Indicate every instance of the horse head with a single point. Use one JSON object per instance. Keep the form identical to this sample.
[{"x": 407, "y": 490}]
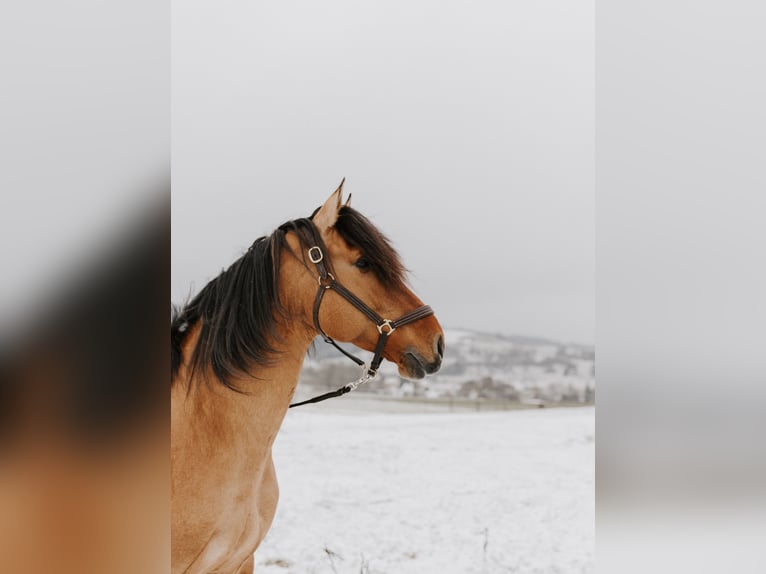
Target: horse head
[{"x": 358, "y": 291}]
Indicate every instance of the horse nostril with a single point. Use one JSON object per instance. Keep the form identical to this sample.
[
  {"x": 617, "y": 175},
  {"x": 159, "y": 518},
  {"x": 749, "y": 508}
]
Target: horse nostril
[{"x": 440, "y": 346}]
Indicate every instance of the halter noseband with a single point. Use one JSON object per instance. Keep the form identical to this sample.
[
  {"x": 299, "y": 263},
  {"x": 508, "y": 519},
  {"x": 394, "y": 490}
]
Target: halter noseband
[{"x": 385, "y": 327}]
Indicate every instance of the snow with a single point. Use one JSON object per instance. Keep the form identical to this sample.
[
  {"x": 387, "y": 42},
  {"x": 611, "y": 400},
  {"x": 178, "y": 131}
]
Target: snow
[{"x": 369, "y": 493}]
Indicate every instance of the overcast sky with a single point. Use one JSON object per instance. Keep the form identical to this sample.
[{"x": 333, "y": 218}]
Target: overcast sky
[{"x": 465, "y": 131}]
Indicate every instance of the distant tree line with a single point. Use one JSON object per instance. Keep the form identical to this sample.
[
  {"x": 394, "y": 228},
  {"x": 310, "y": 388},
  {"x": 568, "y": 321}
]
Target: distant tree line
[{"x": 331, "y": 375}]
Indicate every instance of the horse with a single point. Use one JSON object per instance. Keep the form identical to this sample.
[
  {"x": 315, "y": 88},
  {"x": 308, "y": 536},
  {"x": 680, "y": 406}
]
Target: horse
[{"x": 236, "y": 353}]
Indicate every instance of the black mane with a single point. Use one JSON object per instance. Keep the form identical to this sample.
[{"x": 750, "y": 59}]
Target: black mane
[{"x": 238, "y": 310}]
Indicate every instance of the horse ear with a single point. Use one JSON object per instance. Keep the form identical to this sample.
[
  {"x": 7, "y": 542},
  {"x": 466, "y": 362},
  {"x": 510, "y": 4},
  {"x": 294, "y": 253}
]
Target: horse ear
[
  {"x": 348, "y": 201},
  {"x": 327, "y": 215}
]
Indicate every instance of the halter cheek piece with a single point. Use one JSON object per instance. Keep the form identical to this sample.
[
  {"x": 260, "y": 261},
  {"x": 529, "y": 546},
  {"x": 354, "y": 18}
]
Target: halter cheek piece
[{"x": 385, "y": 327}]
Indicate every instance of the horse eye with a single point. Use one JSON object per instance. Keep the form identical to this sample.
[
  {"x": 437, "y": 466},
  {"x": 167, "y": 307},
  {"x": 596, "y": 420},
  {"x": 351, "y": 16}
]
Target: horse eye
[{"x": 362, "y": 263}]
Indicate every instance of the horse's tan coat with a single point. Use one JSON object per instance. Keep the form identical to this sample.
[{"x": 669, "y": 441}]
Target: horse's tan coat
[{"x": 224, "y": 487}]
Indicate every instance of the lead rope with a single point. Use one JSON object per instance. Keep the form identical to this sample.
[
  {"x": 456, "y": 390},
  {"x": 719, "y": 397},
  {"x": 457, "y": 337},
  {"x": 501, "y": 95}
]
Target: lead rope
[
  {"x": 347, "y": 388},
  {"x": 385, "y": 327}
]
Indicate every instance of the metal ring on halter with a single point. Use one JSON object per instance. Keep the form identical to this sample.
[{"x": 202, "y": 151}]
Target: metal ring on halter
[
  {"x": 330, "y": 277},
  {"x": 369, "y": 372},
  {"x": 317, "y": 258},
  {"x": 386, "y": 323}
]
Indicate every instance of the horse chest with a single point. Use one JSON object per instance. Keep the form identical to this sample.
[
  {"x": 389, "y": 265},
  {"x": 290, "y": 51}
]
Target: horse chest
[
  {"x": 236, "y": 536},
  {"x": 225, "y": 552},
  {"x": 239, "y": 507}
]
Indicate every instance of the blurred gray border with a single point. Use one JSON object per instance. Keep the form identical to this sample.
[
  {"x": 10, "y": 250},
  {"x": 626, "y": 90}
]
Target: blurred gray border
[{"x": 681, "y": 285}]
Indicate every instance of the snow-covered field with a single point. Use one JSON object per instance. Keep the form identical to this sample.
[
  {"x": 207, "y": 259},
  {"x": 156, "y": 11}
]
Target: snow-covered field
[{"x": 369, "y": 493}]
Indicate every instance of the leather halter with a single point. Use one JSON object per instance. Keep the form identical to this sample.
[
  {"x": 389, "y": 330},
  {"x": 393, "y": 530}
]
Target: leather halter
[{"x": 385, "y": 327}]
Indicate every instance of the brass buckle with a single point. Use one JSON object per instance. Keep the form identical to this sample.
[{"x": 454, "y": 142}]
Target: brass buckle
[
  {"x": 386, "y": 323},
  {"x": 318, "y": 258}
]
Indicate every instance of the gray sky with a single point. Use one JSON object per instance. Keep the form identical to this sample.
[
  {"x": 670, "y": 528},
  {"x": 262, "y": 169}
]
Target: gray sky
[{"x": 465, "y": 131}]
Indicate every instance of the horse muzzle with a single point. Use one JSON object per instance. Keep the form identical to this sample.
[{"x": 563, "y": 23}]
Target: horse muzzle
[{"x": 414, "y": 365}]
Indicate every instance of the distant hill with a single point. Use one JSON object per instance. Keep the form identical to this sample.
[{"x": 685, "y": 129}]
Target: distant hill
[{"x": 476, "y": 364}]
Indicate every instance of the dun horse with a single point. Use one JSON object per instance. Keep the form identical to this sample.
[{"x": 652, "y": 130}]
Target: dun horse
[{"x": 237, "y": 349}]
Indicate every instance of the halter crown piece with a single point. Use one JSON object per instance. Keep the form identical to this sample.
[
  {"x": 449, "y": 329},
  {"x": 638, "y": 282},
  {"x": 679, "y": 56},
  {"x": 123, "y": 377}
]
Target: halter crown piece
[{"x": 385, "y": 327}]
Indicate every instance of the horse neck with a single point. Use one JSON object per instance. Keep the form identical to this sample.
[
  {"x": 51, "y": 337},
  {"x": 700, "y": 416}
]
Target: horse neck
[{"x": 246, "y": 422}]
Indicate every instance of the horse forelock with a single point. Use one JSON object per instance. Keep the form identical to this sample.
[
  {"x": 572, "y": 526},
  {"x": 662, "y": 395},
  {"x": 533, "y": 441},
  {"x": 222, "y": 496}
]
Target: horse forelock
[{"x": 359, "y": 232}]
